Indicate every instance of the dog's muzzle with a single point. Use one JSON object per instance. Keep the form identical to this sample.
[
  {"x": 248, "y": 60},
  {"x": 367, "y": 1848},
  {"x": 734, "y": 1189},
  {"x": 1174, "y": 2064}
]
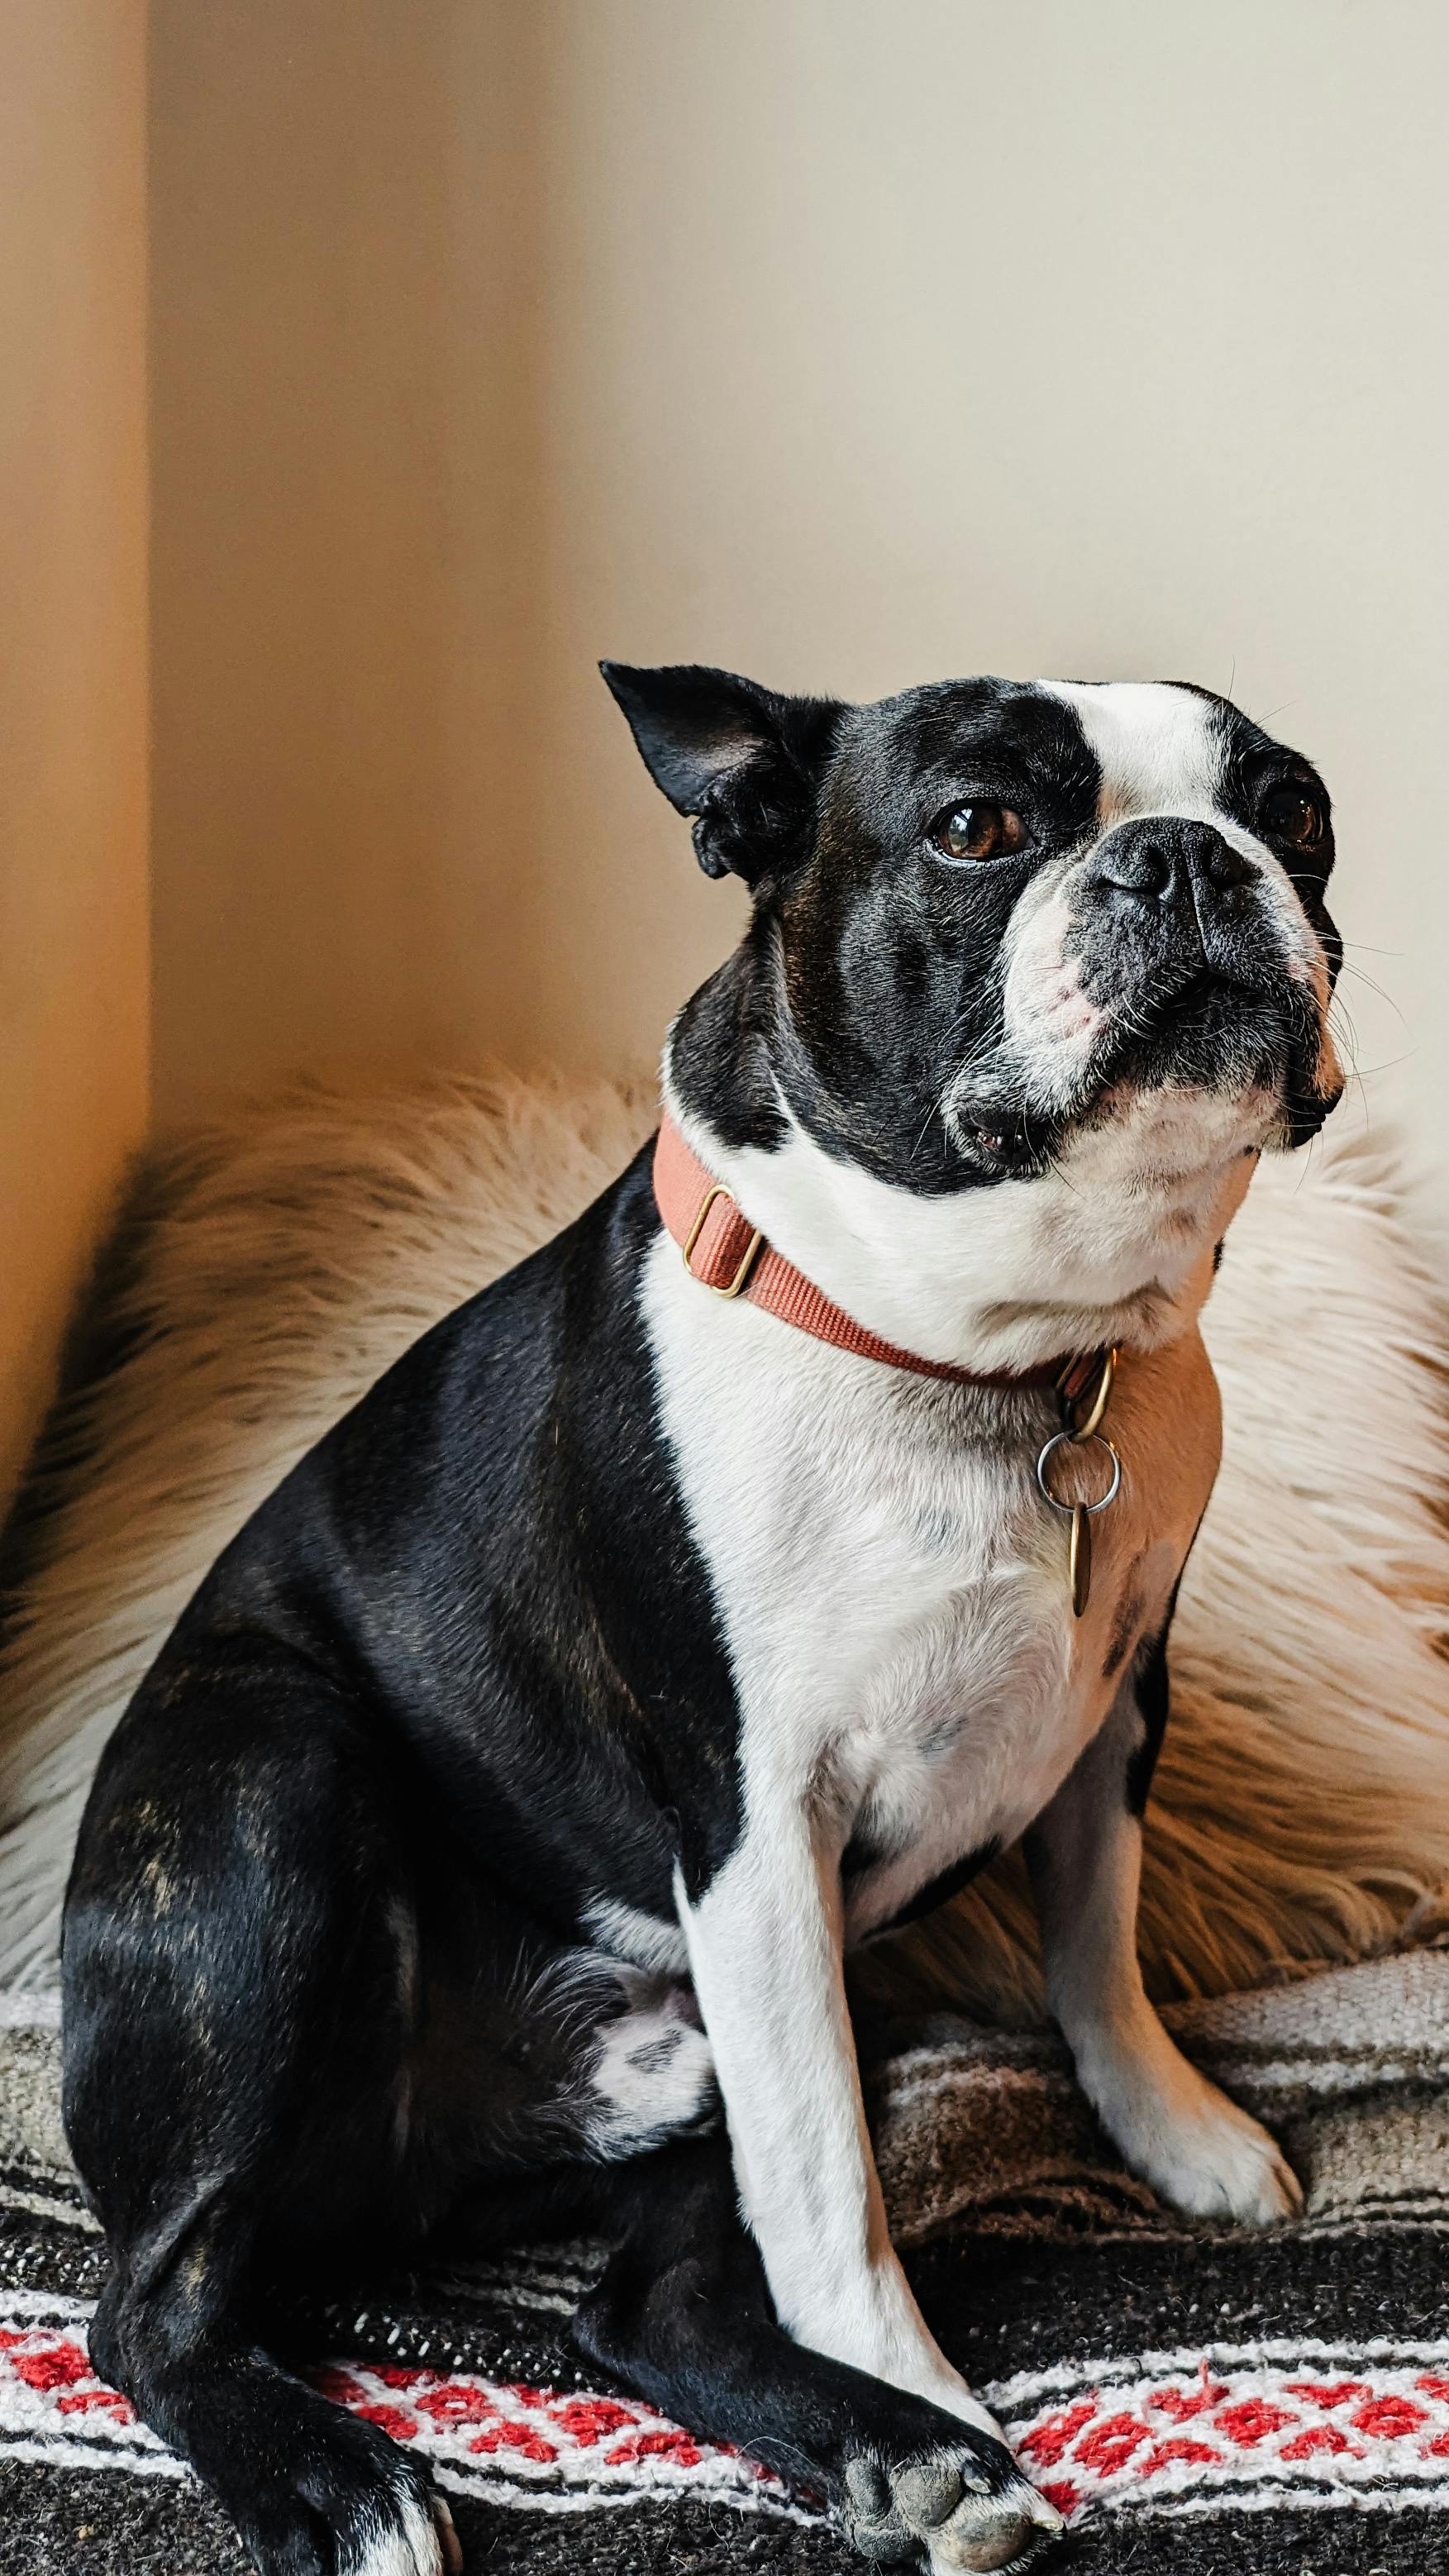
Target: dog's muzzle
[{"x": 1201, "y": 961}]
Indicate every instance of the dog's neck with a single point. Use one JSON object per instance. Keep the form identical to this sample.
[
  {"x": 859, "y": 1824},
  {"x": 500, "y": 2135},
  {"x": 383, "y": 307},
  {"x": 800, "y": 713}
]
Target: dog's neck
[{"x": 1115, "y": 1243}]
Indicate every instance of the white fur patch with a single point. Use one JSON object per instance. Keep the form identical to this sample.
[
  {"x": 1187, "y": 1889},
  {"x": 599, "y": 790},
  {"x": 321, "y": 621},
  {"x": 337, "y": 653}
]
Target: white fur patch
[
  {"x": 645, "y": 1940},
  {"x": 407, "y": 2544},
  {"x": 1105, "y": 1247},
  {"x": 1159, "y": 749},
  {"x": 652, "y": 2074},
  {"x": 1048, "y": 1020}
]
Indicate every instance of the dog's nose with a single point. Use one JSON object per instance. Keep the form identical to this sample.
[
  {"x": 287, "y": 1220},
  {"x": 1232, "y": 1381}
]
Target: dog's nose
[{"x": 1159, "y": 861}]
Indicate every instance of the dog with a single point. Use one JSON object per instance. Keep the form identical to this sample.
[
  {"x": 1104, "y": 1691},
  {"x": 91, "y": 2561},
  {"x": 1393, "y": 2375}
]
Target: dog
[{"x": 722, "y": 1587}]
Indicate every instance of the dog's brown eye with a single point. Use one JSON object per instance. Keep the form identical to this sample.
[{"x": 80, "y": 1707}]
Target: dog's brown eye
[
  {"x": 1291, "y": 815},
  {"x": 969, "y": 832}
]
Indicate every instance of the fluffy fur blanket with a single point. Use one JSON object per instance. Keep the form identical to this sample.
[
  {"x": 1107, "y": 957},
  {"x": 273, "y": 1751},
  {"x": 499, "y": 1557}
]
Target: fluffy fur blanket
[{"x": 273, "y": 1265}]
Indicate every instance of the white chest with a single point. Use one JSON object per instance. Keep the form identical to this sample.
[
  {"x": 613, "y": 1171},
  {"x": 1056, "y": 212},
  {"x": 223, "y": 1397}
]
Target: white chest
[{"x": 892, "y": 1589}]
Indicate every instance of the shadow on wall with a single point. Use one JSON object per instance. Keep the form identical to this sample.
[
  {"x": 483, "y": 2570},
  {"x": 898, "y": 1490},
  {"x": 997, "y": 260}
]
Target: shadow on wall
[{"x": 344, "y": 445}]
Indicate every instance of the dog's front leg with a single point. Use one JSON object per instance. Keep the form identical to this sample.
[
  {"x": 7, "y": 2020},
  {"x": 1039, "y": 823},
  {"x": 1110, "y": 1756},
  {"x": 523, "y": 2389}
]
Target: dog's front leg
[
  {"x": 1173, "y": 2127},
  {"x": 766, "y": 1955}
]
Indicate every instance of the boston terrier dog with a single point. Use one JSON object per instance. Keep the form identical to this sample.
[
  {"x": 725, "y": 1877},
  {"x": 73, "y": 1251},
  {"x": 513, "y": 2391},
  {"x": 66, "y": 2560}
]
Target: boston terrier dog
[{"x": 723, "y": 1586}]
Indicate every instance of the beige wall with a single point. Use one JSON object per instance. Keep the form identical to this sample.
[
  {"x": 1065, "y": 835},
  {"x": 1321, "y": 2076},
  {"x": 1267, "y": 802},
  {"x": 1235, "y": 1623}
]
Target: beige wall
[
  {"x": 342, "y": 423},
  {"x": 72, "y": 657},
  {"x": 842, "y": 341}
]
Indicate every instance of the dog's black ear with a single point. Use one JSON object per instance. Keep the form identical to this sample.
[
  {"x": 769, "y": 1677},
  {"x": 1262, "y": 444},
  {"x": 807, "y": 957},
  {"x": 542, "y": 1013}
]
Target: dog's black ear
[{"x": 743, "y": 760}]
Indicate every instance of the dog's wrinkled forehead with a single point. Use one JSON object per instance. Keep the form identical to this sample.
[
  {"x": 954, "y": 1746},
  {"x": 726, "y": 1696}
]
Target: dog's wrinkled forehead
[{"x": 1087, "y": 752}]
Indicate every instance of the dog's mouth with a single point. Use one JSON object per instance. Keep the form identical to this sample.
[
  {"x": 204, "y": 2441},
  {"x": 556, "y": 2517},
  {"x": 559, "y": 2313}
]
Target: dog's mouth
[
  {"x": 1003, "y": 1140},
  {"x": 1210, "y": 1035}
]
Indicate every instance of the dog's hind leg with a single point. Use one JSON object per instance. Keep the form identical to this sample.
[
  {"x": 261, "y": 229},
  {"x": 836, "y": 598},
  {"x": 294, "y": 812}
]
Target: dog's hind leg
[
  {"x": 236, "y": 2030},
  {"x": 683, "y": 2315}
]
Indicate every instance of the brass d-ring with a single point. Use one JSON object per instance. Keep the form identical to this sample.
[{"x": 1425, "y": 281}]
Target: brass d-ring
[{"x": 1093, "y": 1420}]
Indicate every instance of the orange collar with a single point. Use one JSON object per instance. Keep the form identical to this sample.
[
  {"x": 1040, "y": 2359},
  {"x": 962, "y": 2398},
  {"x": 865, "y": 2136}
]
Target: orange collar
[{"x": 729, "y": 1256}]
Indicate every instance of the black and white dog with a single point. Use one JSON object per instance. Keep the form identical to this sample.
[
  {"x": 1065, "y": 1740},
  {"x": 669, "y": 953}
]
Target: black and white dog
[{"x": 481, "y": 1850}]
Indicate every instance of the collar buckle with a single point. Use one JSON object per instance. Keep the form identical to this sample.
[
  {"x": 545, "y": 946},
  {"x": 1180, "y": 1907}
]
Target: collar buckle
[{"x": 734, "y": 1287}]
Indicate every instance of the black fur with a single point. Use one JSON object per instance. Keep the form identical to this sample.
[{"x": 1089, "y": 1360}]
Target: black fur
[
  {"x": 1154, "y": 1697},
  {"x": 460, "y": 1679}
]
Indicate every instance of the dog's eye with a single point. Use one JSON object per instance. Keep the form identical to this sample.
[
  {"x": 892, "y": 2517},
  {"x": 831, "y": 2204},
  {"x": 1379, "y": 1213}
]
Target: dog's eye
[
  {"x": 966, "y": 833},
  {"x": 1290, "y": 814}
]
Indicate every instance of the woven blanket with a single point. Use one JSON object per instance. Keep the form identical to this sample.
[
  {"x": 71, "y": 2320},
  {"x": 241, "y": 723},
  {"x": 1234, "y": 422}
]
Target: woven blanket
[{"x": 1191, "y": 2399}]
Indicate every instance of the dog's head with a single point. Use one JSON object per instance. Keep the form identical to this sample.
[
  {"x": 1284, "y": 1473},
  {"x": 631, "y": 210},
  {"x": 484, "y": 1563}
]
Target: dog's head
[{"x": 989, "y": 915}]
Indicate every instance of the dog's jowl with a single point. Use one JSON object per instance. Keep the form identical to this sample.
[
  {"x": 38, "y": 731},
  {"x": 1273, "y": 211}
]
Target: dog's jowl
[{"x": 699, "y": 1600}]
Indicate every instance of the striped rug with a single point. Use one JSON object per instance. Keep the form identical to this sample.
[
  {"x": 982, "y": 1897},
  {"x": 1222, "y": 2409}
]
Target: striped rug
[{"x": 1190, "y": 2399}]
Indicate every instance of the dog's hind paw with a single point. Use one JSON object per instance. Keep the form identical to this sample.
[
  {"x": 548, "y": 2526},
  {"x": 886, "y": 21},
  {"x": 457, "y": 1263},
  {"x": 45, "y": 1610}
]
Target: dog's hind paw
[
  {"x": 414, "y": 2536},
  {"x": 337, "y": 2525},
  {"x": 959, "y": 2507},
  {"x": 1220, "y": 2164}
]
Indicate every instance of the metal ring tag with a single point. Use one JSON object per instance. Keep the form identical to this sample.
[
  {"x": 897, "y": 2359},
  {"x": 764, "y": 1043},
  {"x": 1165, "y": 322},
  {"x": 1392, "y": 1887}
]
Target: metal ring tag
[{"x": 1070, "y": 1439}]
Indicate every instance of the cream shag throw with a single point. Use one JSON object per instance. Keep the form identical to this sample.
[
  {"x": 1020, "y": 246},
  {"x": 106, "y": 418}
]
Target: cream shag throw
[{"x": 1301, "y": 1810}]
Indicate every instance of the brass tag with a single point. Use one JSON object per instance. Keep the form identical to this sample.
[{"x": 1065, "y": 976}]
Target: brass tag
[
  {"x": 1081, "y": 1559},
  {"x": 1078, "y": 1436}
]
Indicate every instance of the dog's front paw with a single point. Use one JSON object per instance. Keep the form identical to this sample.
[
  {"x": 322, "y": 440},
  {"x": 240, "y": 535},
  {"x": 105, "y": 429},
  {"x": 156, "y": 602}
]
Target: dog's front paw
[
  {"x": 1210, "y": 2160},
  {"x": 964, "y": 2505}
]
